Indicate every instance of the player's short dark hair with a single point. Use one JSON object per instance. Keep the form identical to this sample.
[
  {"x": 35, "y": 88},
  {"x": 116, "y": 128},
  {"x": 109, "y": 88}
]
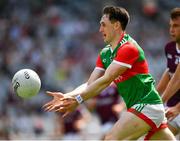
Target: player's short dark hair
[
  {"x": 117, "y": 14},
  {"x": 175, "y": 12}
]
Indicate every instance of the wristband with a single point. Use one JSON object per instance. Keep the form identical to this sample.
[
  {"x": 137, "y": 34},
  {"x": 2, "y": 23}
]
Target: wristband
[{"x": 79, "y": 99}]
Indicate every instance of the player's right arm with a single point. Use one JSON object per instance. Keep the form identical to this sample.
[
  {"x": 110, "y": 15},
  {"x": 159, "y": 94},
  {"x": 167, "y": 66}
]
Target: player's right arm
[
  {"x": 163, "y": 82},
  {"x": 173, "y": 85}
]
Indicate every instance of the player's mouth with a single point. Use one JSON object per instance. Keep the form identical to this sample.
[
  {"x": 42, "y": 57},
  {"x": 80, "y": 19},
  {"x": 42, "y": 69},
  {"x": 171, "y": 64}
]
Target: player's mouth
[
  {"x": 104, "y": 36},
  {"x": 173, "y": 36}
]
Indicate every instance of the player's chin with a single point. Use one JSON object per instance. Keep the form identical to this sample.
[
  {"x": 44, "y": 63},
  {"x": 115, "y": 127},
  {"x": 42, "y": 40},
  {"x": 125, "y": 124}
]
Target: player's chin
[
  {"x": 173, "y": 38},
  {"x": 106, "y": 41}
]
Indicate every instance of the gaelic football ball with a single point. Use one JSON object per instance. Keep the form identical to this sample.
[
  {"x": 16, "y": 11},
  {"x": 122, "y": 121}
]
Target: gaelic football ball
[{"x": 26, "y": 83}]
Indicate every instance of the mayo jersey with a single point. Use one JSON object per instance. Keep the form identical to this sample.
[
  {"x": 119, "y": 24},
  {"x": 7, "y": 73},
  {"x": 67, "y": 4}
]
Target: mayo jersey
[{"x": 135, "y": 85}]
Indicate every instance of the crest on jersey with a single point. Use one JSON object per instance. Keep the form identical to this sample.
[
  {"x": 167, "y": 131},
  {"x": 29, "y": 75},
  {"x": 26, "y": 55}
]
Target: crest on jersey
[{"x": 104, "y": 60}]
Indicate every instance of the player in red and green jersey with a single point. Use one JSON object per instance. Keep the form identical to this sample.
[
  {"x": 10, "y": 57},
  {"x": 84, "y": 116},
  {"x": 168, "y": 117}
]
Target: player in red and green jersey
[
  {"x": 123, "y": 62},
  {"x": 136, "y": 84}
]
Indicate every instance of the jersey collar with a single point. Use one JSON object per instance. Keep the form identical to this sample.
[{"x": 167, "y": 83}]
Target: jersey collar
[{"x": 121, "y": 37}]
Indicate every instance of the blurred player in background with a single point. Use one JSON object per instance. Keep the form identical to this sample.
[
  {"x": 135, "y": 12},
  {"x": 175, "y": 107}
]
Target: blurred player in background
[
  {"x": 169, "y": 84},
  {"x": 107, "y": 106},
  {"x": 72, "y": 126},
  {"x": 123, "y": 62}
]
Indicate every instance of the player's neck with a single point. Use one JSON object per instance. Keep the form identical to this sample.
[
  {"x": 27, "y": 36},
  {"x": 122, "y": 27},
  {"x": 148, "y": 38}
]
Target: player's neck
[{"x": 116, "y": 40}]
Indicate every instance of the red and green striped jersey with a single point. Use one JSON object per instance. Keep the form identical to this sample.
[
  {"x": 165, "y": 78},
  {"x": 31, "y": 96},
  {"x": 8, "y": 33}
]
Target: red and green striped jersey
[{"x": 135, "y": 85}]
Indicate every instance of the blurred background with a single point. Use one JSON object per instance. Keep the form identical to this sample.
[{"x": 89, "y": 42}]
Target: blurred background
[{"x": 59, "y": 39}]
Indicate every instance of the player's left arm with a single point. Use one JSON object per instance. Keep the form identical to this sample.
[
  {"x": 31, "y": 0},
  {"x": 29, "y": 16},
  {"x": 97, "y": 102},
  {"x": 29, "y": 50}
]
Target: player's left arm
[{"x": 173, "y": 85}]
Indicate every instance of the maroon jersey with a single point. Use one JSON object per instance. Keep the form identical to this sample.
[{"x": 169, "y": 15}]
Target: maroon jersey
[
  {"x": 69, "y": 122},
  {"x": 173, "y": 59},
  {"x": 105, "y": 101}
]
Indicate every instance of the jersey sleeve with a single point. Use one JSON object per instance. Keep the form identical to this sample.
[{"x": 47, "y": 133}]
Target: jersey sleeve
[
  {"x": 127, "y": 55},
  {"x": 99, "y": 64}
]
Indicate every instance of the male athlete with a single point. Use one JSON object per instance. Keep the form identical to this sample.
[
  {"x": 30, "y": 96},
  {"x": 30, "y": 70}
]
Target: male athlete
[
  {"x": 169, "y": 85},
  {"x": 123, "y": 62}
]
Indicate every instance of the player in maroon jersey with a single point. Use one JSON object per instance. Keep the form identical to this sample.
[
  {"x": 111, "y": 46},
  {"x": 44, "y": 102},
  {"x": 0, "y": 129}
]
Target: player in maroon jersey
[
  {"x": 107, "y": 106},
  {"x": 169, "y": 85},
  {"x": 72, "y": 126},
  {"x": 104, "y": 104}
]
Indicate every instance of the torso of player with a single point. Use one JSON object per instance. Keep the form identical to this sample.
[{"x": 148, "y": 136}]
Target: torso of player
[
  {"x": 139, "y": 67},
  {"x": 136, "y": 84},
  {"x": 173, "y": 59}
]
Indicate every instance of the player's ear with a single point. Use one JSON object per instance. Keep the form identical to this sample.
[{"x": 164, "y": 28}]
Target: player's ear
[{"x": 117, "y": 25}]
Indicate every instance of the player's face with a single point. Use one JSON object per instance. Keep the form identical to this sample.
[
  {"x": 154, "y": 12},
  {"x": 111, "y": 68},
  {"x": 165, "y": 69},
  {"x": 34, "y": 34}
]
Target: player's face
[
  {"x": 107, "y": 29},
  {"x": 175, "y": 29}
]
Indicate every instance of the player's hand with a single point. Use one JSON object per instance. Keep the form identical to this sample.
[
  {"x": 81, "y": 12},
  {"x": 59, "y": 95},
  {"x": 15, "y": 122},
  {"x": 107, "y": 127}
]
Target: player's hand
[
  {"x": 68, "y": 105},
  {"x": 50, "y": 106},
  {"x": 171, "y": 113},
  {"x": 61, "y": 103}
]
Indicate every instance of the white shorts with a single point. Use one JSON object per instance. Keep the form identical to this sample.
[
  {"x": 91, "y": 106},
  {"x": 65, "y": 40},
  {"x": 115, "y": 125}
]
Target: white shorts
[{"x": 152, "y": 114}]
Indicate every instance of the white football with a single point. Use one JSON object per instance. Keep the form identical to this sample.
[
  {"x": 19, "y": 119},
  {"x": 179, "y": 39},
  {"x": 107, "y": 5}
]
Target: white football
[{"x": 26, "y": 83}]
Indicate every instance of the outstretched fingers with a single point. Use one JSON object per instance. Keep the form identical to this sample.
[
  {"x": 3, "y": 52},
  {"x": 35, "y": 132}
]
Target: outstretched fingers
[
  {"x": 60, "y": 103},
  {"x": 47, "y": 106},
  {"x": 61, "y": 109},
  {"x": 56, "y": 105},
  {"x": 53, "y": 94},
  {"x": 56, "y": 98}
]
